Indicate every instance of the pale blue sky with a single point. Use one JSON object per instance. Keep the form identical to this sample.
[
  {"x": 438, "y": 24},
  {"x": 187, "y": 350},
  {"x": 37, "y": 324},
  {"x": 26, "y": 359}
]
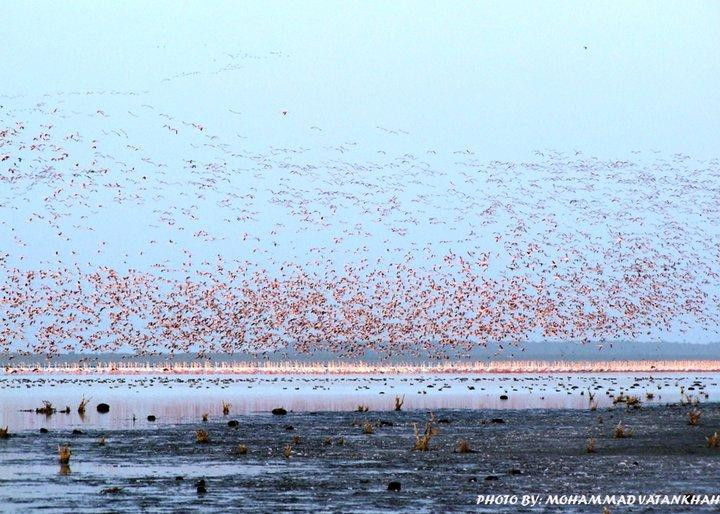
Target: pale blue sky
[{"x": 505, "y": 77}]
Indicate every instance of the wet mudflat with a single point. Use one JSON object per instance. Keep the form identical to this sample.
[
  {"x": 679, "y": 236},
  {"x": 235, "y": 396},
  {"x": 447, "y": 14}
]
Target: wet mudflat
[{"x": 334, "y": 466}]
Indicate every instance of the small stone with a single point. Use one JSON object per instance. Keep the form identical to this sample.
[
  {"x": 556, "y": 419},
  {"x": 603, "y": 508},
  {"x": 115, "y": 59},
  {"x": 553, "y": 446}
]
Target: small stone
[
  {"x": 151, "y": 418},
  {"x": 44, "y": 430},
  {"x": 497, "y": 420},
  {"x": 503, "y": 397},
  {"x": 233, "y": 423},
  {"x": 103, "y": 408},
  {"x": 515, "y": 471},
  {"x": 279, "y": 411},
  {"x": 394, "y": 486},
  {"x": 491, "y": 477},
  {"x": 77, "y": 431},
  {"x": 201, "y": 489}
]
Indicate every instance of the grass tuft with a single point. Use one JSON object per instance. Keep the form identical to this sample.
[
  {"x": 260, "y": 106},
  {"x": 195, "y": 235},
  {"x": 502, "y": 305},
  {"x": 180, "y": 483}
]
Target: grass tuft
[
  {"x": 46, "y": 409},
  {"x": 694, "y": 417},
  {"x": 201, "y": 436},
  {"x": 64, "y": 452},
  {"x": 621, "y": 432},
  {"x": 399, "y": 402},
  {"x": 632, "y": 401},
  {"x": 713, "y": 441},
  {"x": 83, "y": 404},
  {"x": 590, "y": 445},
  {"x": 422, "y": 442},
  {"x": 225, "y": 408},
  {"x": 464, "y": 447}
]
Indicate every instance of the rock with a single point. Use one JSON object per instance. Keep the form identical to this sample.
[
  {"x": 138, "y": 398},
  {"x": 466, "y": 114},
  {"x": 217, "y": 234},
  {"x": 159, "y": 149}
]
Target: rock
[
  {"x": 201, "y": 489},
  {"x": 497, "y": 420},
  {"x": 515, "y": 471},
  {"x": 103, "y": 408},
  {"x": 444, "y": 421},
  {"x": 77, "y": 431},
  {"x": 151, "y": 418},
  {"x": 491, "y": 477},
  {"x": 503, "y": 397},
  {"x": 233, "y": 423},
  {"x": 472, "y": 480},
  {"x": 394, "y": 486},
  {"x": 44, "y": 430},
  {"x": 279, "y": 411},
  {"x": 289, "y": 427},
  {"x": 179, "y": 477},
  {"x": 111, "y": 490}
]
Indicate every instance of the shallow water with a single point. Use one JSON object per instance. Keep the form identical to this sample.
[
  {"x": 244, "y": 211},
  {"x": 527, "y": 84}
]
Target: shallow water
[{"x": 175, "y": 399}]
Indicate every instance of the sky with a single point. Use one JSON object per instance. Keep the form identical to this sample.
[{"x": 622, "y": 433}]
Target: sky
[
  {"x": 505, "y": 78},
  {"x": 363, "y": 94}
]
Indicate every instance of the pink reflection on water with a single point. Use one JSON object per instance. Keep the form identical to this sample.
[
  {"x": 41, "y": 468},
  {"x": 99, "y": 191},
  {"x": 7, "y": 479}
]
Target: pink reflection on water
[{"x": 182, "y": 399}]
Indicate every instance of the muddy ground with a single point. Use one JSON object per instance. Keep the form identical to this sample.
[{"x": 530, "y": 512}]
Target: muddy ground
[{"x": 156, "y": 466}]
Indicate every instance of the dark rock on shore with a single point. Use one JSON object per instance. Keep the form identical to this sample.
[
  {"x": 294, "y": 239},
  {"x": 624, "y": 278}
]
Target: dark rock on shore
[{"x": 103, "y": 408}]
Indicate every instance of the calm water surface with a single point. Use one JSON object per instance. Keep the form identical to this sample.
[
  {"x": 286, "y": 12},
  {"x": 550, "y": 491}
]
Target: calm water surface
[{"x": 176, "y": 399}]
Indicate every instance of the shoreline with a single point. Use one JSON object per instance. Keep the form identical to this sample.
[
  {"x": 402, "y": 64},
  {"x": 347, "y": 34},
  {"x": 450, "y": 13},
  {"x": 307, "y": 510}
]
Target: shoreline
[{"x": 359, "y": 368}]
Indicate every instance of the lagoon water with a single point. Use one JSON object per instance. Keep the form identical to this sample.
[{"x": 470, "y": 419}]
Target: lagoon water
[{"x": 176, "y": 399}]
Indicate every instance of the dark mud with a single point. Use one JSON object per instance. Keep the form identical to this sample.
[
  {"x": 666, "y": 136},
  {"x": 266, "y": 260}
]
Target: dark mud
[{"x": 155, "y": 467}]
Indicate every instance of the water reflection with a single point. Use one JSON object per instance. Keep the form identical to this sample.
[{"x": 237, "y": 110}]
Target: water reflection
[{"x": 179, "y": 399}]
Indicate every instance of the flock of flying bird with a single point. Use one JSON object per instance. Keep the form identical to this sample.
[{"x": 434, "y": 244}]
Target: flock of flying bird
[{"x": 127, "y": 228}]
